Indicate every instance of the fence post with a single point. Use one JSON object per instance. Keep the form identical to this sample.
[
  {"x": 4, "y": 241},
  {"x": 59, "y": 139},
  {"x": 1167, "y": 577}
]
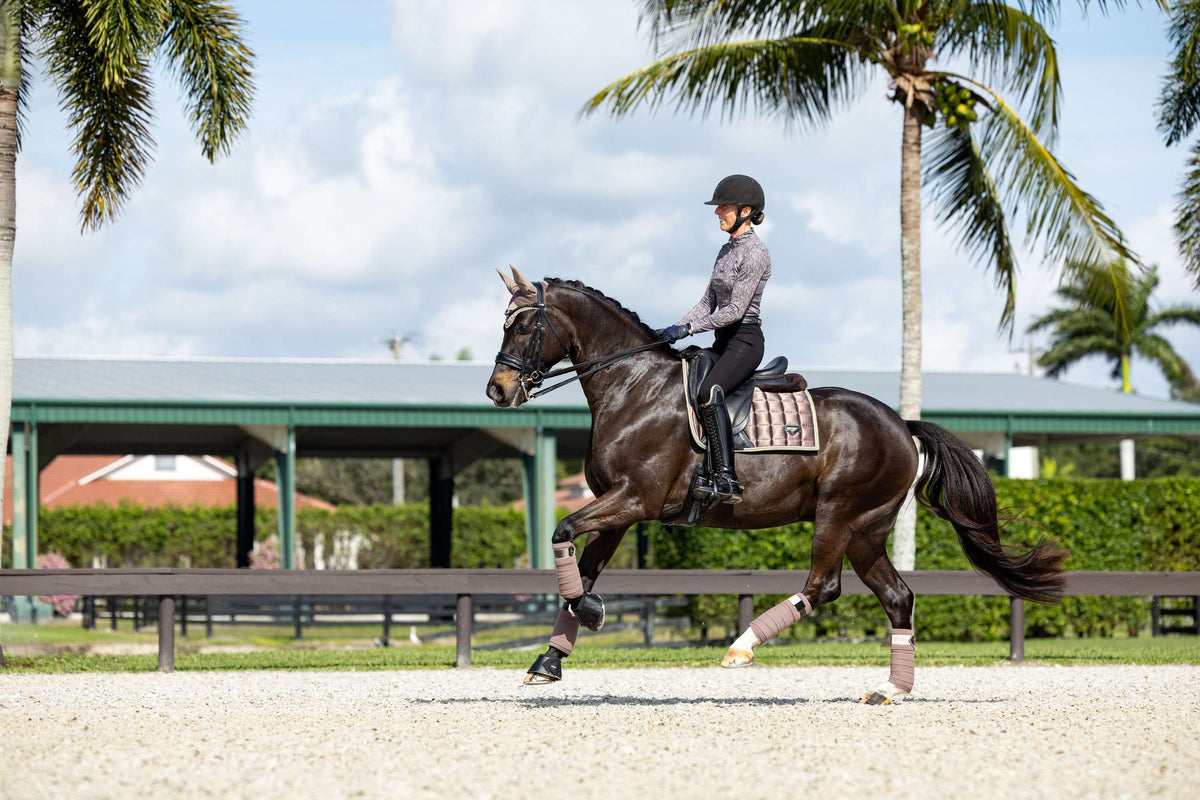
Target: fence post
[
  {"x": 166, "y": 633},
  {"x": 462, "y": 624},
  {"x": 745, "y": 613},
  {"x": 1016, "y": 630}
]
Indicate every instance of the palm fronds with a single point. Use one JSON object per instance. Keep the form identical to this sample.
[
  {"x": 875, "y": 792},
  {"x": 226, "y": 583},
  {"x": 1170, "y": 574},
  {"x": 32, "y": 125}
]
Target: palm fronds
[
  {"x": 1178, "y": 116},
  {"x": 110, "y": 115},
  {"x": 1187, "y": 215},
  {"x": 800, "y": 78},
  {"x": 1086, "y": 325},
  {"x": 688, "y": 24},
  {"x": 99, "y": 55},
  {"x": 1014, "y": 52},
  {"x": 1070, "y": 224},
  {"x": 966, "y": 197},
  {"x": 1179, "y": 103},
  {"x": 205, "y": 48}
]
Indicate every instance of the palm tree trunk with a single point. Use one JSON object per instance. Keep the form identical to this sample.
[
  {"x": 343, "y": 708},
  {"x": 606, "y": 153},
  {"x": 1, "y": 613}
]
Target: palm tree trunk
[
  {"x": 8, "y": 234},
  {"x": 904, "y": 539},
  {"x": 10, "y": 81}
]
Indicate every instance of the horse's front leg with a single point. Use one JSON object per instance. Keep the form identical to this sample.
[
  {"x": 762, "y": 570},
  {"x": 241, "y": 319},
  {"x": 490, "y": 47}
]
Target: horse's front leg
[
  {"x": 615, "y": 509},
  {"x": 548, "y": 667},
  {"x": 606, "y": 519}
]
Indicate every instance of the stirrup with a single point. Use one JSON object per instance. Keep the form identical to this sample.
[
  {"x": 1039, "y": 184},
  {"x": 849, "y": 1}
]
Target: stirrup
[
  {"x": 727, "y": 488},
  {"x": 718, "y": 488}
]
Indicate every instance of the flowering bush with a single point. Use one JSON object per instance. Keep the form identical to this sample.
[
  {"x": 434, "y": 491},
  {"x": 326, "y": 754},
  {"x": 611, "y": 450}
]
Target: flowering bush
[
  {"x": 63, "y": 604},
  {"x": 266, "y": 555}
]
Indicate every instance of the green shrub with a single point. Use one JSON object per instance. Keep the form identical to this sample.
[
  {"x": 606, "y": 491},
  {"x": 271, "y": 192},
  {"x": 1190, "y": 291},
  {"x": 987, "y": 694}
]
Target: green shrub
[{"x": 1104, "y": 525}]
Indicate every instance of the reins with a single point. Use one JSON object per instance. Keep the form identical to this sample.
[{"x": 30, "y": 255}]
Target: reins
[{"x": 529, "y": 367}]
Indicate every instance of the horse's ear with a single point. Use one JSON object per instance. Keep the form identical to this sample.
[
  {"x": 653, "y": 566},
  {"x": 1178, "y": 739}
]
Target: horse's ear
[
  {"x": 509, "y": 283},
  {"x": 523, "y": 284}
]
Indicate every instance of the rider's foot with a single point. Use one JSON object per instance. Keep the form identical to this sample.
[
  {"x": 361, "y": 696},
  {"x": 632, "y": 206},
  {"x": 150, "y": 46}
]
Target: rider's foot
[{"x": 720, "y": 488}]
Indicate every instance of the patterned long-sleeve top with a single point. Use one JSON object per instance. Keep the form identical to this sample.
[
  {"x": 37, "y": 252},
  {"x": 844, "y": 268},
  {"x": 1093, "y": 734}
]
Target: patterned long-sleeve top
[{"x": 735, "y": 289}]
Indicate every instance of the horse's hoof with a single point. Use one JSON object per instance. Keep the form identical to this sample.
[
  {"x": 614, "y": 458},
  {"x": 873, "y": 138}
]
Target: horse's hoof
[
  {"x": 736, "y": 657},
  {"x": 883, "y": 696},
  {"x": 538, "y": 679},
  {"x": 546, "y": 668},
  {"x": 590, "y": 611}
]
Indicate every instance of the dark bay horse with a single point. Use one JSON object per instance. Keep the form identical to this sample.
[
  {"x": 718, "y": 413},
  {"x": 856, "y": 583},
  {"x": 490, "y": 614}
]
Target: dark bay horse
[{"x": 640, "y": 462}]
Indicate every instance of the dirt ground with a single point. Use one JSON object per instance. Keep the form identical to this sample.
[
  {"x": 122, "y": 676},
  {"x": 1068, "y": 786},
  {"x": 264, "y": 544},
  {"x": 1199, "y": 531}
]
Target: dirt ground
[{"x": 1003, "y": 732}]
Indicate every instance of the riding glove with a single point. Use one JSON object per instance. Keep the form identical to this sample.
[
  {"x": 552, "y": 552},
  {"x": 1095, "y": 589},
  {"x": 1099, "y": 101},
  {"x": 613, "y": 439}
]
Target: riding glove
[{"x": 673, "y": 333}]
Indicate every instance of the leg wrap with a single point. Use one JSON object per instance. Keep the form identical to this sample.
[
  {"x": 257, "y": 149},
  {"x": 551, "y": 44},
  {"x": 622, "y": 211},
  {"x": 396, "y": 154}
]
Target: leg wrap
[
  {"x": 902, "y": 659},
  {"x": 570, "y": 585},
  {"x": 566, "y": 631},
  {"x": 778, "y": 617}
]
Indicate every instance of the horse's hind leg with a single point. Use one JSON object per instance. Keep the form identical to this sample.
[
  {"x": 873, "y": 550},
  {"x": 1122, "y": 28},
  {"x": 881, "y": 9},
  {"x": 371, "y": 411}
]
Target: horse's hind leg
[
  {"x": 868, "y": 556},
  {"x": 824, "y": 585},
  {"x": 547, "y": 668}
]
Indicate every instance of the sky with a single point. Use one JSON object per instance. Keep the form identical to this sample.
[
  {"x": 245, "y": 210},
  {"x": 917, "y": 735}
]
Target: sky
[{"x": 399, "y": 152}]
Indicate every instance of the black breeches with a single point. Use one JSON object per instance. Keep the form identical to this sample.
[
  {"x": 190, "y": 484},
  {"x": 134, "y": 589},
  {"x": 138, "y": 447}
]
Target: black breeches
[{"x": 740, "y": 348}]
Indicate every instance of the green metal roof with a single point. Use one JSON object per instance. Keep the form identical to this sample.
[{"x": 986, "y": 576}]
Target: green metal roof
[{"x": 382, "y": 395}]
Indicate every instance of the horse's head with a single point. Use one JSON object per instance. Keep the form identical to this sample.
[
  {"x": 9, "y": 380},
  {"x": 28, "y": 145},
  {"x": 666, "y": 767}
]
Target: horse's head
[{"x": 532, "y": 343}]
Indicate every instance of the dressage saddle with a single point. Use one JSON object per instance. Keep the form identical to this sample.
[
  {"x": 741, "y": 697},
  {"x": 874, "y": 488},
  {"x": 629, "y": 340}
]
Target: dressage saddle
[{"x": 771, "y": 378}]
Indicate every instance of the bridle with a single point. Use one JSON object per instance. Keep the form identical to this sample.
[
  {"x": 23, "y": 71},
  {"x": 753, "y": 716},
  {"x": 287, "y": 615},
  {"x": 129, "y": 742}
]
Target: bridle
[{"x": 531, "y": 367}]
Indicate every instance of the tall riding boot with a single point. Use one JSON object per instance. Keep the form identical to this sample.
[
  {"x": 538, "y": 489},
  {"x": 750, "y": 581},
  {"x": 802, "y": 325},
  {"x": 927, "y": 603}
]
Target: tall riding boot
[{"x": 719, "y": 435}]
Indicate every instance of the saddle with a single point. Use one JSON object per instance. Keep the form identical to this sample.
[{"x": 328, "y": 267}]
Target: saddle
[{"x": 773, "y": 378}]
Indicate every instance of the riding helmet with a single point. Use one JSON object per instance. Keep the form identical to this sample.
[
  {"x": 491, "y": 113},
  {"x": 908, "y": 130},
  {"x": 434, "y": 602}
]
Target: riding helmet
[{"x": 738, "y": 190}]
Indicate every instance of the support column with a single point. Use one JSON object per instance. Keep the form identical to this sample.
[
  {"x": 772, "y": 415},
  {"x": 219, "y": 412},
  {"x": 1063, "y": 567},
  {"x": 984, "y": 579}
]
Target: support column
[
  {"x": 285, "y": 469},
  {"x": 1128, "y": 459},
  {"x": 530, "y": 485},
  {"x": 1008, "y": 446},
  {"x": 25, "y": 508},
  {"x": 245, "y": 508},
  {"x": 441, "y": 511},
  {"x": 25, "y": 495},
  {"x": 20, "y": 501},
  {"x": 541, "y": 556}
]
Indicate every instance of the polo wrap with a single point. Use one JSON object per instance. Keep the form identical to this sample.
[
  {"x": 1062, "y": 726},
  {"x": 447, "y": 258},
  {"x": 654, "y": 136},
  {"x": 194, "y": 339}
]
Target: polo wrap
[
  {"x": 570, "y": 585},
  {"x": 903, "y": 656},
  {"x": 566, "y": 631},
  {"x": 779, "y": 616}
]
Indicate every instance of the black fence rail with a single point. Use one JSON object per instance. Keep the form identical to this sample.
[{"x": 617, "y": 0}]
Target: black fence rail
[{"x": 465, "y": 584}]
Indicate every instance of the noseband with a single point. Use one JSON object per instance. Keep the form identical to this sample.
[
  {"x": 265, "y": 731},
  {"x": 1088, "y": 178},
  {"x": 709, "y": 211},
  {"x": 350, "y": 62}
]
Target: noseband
[{"x": 531, "y": 368}]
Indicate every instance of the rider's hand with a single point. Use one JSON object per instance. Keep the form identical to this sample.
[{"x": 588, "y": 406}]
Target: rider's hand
[{"x": 673, "y": 333}]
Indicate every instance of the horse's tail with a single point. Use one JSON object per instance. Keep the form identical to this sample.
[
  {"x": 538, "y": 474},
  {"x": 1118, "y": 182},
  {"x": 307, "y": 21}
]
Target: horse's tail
[{"x": 956, "y": 487}]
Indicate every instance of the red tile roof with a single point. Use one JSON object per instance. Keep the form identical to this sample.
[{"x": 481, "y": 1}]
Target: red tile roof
[{"x": 58, "y": 487}]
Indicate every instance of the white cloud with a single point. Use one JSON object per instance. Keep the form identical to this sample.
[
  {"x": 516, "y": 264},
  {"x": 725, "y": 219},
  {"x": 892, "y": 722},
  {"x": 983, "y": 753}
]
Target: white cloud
[
  {"x": 548, "y": 44},
  {"x": 378, "y": 197}
]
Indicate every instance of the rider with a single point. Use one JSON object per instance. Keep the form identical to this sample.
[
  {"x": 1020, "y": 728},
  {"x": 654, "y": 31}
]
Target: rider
[{"x": 729, "y": 306}]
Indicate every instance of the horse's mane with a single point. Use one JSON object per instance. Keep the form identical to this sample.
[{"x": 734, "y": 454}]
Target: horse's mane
[{"x": 599, "y": 295}]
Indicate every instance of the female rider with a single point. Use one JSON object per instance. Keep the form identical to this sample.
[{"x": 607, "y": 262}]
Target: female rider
[{"x": 730, "y": 306}]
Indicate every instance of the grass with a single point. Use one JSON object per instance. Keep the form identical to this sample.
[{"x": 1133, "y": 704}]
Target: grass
[{"x": 349, "y": 648}]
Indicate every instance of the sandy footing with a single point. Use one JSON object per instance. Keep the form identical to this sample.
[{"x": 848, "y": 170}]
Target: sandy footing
[{"x": 979, "y": 732}]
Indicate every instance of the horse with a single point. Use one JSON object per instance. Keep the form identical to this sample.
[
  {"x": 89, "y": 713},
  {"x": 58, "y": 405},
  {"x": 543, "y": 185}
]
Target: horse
[{"x": 640, "y": 462}]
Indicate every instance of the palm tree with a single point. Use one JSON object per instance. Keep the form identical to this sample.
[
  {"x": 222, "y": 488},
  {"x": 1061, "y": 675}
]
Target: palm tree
[
  {"x": 1085, "y": 325},
  {"x": 99, "y": 57},
  {"x": 1178, "y": 116},
  {"x": 986, "y": 162}
]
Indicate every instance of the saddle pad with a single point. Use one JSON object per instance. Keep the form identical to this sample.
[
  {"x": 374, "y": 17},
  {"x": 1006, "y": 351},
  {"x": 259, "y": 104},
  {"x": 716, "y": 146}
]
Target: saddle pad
[{"x": 778, "y": 422}]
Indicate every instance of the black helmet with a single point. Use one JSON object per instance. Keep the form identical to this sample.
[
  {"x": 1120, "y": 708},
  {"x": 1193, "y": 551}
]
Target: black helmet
[{"x": 738, "y": 190}]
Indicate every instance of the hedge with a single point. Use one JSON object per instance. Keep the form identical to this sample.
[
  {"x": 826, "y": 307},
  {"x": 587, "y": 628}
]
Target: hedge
[{"x": 1104, "y": 524}]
